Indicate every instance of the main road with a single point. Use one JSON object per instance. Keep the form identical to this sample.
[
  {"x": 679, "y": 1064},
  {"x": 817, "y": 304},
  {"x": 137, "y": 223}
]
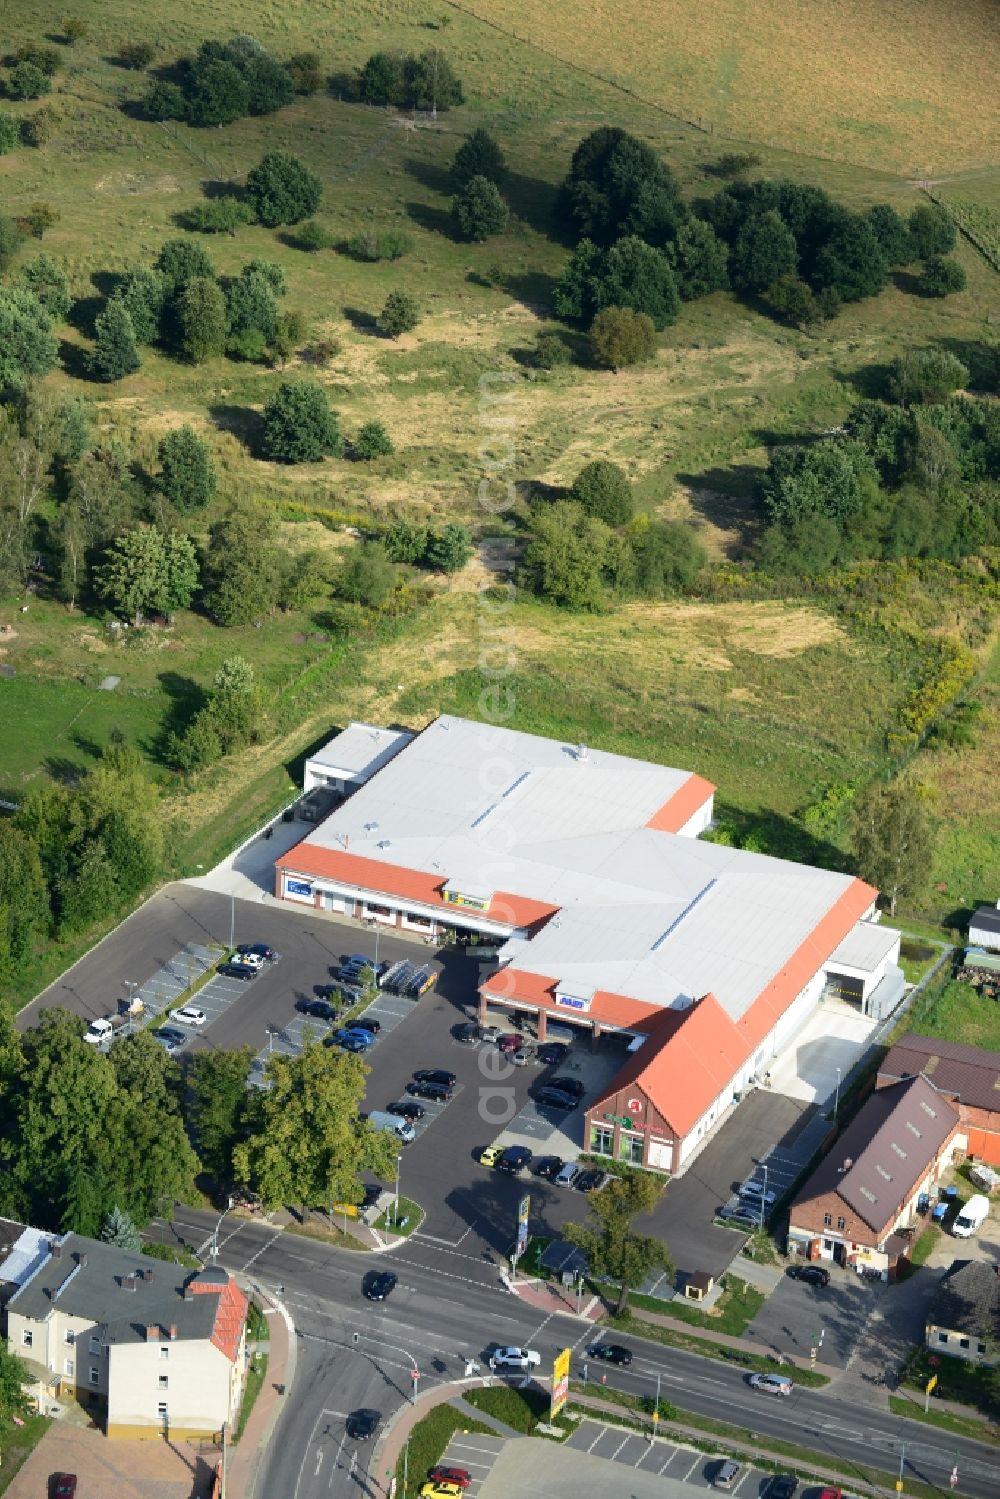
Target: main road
[{"x": 449, "y": 1307}]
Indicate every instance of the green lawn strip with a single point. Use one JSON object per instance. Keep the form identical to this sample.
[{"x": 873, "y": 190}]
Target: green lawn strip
[
  {"x": 257, "y": 1328},
  {"x": 743, "y": 1442},
  {"x": 963, "y": 1426},
  {"x": 924, "y": 1246},
  {"x": 326, "y": 1235},
  {"x": 734, "y": 1310},
  {"x": 521, "y": 1409},
  {"x": 411, "y": 1215},
  {"x": 173, "y": 1254},
  {"x": 427, "y": 1443},
  {"x": 19, "y": 1446},
  {"x": 256, "y": 1375},
  {"x": 966, "y": 1383},
  {"x": 761, "y": 1362}
]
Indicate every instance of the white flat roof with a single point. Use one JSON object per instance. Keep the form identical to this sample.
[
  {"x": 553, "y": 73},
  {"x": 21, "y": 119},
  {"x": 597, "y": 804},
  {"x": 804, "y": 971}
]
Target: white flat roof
[
  {"x": 360, "y": 747},
  {"x": 865, "y": 946},
  {"x": 645, "y": 913},
  {"x": 30, "y": 1250}
]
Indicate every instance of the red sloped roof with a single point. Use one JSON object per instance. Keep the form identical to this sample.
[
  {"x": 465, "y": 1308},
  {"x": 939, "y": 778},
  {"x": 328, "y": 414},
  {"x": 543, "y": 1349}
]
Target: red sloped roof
[
  {"x": 513, "y": 984},
  {"x": 408, "y": 884},
  {"x": 807, "y": 959},
  {"x": 230, "y": 1317},
  {"x": 685, "y": 1065},
  {"x": 672, "y": 816}
]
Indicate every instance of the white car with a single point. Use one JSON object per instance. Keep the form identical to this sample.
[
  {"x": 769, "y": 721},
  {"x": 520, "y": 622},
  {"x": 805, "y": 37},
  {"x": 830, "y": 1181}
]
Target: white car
[
  {"x": 98, "y": 1032},
  {"x": 189, "y": 1015},
  {"x": 771, "y": 1384},
  {"x": 254, "y": 960},
  {"x": 515, "y": 1358}
]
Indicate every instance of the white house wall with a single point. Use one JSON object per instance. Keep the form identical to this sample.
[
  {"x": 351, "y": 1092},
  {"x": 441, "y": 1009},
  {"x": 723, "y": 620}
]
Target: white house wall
[{"x": 699, "y": 821}]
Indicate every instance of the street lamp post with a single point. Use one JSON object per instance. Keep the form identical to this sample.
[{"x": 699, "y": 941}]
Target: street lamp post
[
  {"x": 395, "y": 1209},
  {"x": 215, "y": 1232},
  {"x": 232, "y": 921},
  {"x": 836, "y": 1096},
  {"x": 763, "y": 1198}
]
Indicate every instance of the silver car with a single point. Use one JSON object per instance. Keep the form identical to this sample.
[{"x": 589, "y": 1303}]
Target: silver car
[{"x": 568, "y": 1175}]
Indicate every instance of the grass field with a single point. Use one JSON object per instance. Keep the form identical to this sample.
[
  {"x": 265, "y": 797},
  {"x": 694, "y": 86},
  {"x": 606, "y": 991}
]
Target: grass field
[{"x": 960, "y": 1014}]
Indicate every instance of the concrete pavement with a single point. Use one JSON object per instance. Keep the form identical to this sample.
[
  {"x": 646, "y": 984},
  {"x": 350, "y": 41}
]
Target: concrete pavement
[{"x": 244, "y": 1462}]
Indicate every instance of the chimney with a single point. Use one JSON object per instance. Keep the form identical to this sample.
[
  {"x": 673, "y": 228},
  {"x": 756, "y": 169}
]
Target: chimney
[
  {"x": 147, "y": 1275},
  {"x": 128, "y": 1282},
  {"x": 848, "y": 1163},
  {"x": 581, "y": 752},
  {"x": 173, "y": 1330},
  {"x": 56, "y": 1249},
  {"x": 81, "y": 1260},
  {"x": 152, "y": 1333}
]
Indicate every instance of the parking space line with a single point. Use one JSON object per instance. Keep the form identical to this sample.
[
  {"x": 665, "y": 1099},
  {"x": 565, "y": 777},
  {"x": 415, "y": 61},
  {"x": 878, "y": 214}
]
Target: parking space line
[
  {"x": 614, "y": 1455},
  {"x": 594, "y": 1443},
  {"x": 743, "y": 1480},
  {"x": 690, "y": 1470}
]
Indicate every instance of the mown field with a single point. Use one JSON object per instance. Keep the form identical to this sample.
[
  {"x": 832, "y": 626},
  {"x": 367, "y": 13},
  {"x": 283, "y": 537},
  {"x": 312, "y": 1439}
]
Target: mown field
[{"x": 772, "y": 701}]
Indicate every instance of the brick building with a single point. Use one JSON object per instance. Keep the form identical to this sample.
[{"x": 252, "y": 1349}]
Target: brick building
[{"x": 968, "y": 1075}]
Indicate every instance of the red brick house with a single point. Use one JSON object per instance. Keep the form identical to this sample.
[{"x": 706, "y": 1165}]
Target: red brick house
[
  {"x": 968, "y": 1075},
  {"x": 861, "y": 1199}
]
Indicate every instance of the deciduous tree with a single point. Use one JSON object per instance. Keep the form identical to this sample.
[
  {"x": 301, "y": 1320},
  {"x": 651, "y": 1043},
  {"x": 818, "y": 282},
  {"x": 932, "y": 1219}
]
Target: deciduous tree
[
  {"x": 240, "y": 565},
  {"x": 608, "y": 1237},
  {"x": 28, "y": 347},
  {"x": 479, "y": 155},
  {"x": 892, "y": 840},
  {"x": 400, "y": 314},
  {"x": 478, "y": 210},
  {"x": 114, "y": 354},
  {"x": 620, "y": 337},
  {"x": 187, "y": 474},
  {"x": 47, "y": 283},
  {"x": 602, "y": 490},
  {"x": 299, "y": 426},
  {"x": 282, "y": 190},
  {"x": 216, "y": 1082},
  {"x": 201, "y": 320}
]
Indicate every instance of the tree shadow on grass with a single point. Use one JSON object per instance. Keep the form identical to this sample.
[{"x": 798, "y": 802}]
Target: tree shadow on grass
[
  {"x": 906, "y": 282},
  {"x": 437, "y": 220},
  {"x": 534, "y": 289},
  {"x": 362, "y": 321},
  {"x": 74, "y": 360},
  {"x": 869, "y": 381},
  {"x": 245, "y": 424},
  {"x": 84, "y": 313},
  {"x": 982, "y": 362},
  {"x": 67, "y": 772},
  {"x": 782, "y": 837},
  {"x": 185, "y": 697},
  {"x": 724, "y": 499}
]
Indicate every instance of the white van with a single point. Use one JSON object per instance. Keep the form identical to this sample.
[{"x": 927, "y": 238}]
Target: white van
[
  {"x": 394, "y": 1125},
  {"x": 973, "y": 1215}
]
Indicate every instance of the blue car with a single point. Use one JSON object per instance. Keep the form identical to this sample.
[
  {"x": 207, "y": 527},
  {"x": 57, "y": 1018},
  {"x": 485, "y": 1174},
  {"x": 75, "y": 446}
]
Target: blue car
[{"x": 352, "y": 1039}]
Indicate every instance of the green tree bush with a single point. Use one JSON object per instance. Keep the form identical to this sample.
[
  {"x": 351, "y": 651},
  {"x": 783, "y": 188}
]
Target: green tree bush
[
  {"x": 11, "y": 240},
  {"x": 603, "y": 492},
  {"x": 699, "y": 260},
  {"x": 305, "y": 70},
  {"x": 372, "y": 441},
  {"x": 143, "y": 294},
  {"x": 164, "y": 101},
  {"x": 240, "y": 565},
  {"x": 608, "y": 1238},
  {"x": 114, "y": 354},
  {"x": 620, "y": 337},
  {"x": 764, "y": 251},
  {"x": 366, "y": 575},
  {"x": 449, "y": 549},
  {"x": 564, "y": 559},
  {"x": 405, "y": 541},
  {"x": 181, "y": 260},
  {"x": 148, "y": 569},
  {"x": 932, "y": 231},
  {"x": 202, "y": 324},
  {"x": 10, "y": 133},
  {"x": 136, "y": 55},
  {"x": 892, "y": 840},
  {"x": 941, "y": 277},
  {"x": 925, "y": 375},
  {"x": 617, "y": 186},
  {"x": 299, "y": 426},
  {"x": 479, "y": 211},
  {"x": 217, "y": 95},
  {"x": 312, "y": 236},
  {"x": 48, "y": 284},
  {"x": 479, "y": 155},
  {"x": 282, "y": 190},
  {"x": 27, "y": 81},
  {"x": 219, "y": 216},
  {"x": 400, "y": 314},
  {"x": 187, "y": 474}
]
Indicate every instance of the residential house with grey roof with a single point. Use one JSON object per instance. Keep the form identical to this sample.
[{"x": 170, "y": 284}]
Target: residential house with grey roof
[
  {"x": 963, "y": 1319},
  {"x": 860, "y": 1203},
  {"x": 150, "y": 1348}
]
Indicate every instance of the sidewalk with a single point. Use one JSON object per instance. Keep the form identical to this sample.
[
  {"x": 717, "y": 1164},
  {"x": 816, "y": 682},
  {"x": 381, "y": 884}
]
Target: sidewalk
[
  {"x": 245, "y": 1458},
  {"x": 399, "y": 1427}
]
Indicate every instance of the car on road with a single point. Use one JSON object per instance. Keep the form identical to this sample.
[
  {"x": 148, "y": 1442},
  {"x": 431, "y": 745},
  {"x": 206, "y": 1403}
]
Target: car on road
[
  {"x": 433, "y": 1092},
  {"x": 514, "y": 1358},
  {"x": 490, "y": 1154},
  {"x": 567, "y": 1175},
  {"x": 248, "y": 959},
  {"x": 351, "y": 968},
  {"x": 727, "y": 1474},
  {"x": 445, "y": 1473},
  {"x": 363, "y": 1424},
  {"x": 743, "y": 1216},
  {"x": 782, "y": 1486},
  {"x": 611, "y": 1353},
  {"x": 813, "y": 1275},
  {"x": 570, "y": 1085},
  {"x": 433, "y": 1490},
  {"x": 510, "y": 1041},
  {"x": 555, "y": 1098},
  {"x": 320, "y": 1009},
  {"x": 514, "y": 1159},
  {"x": 771, "y": 1384},
  {"x": 366, "y": 1023},
  {"x": 407, "y": 1108},
  {"x": 237, "y": 971},
  {"x": 490, "y": 1032},
  {"x": 592, "y": 1181},
  {"x": 378, "y": 1284},
  {"x": 171, "y": 1038},
  {"x": 258, "y": 950},
  {"x": 552, "y": 1053},
  {"x": 65, "y": 1486},
  {"x": 548, "y": 1166},
  {"x": 437, "y": 1075},
  {"x": 189, "y": 1015},
  {"x": 468, "y": 1034}
]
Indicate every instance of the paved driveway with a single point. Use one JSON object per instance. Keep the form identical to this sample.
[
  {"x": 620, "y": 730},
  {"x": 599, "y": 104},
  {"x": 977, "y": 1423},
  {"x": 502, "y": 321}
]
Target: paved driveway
[
  {"x": 115, "y": 1470},
  {"x": 824, "y": 1051}
]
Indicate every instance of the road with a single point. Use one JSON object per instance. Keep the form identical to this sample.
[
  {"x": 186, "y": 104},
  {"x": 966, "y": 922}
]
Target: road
[{"x": 449, "y": 1306}]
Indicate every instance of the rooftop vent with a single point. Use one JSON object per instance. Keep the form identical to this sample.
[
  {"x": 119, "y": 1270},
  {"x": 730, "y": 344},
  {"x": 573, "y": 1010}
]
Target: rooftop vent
[
  {"x": 56, "y": 1249},
  {"x": 581, "y": 752},
  {"x": 869, "y": 1194},
  {"x": 81, "y": 1260},
  {"x": 383, "y": 843},
  {"x": 848, "y": 1163},
  {"x": 147, "y": 1275},
  {"x": 128, "y": 1282}
]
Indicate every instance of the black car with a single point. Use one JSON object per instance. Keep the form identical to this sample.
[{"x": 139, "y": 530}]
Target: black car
[
  {"x": 570, "y": 1085},
  {"x": 321, "y": 1008},
  {"x": 548, "y": 1166},
  {"x": 434, "y": 1092},
  {"x": 611, "y": 1353},
  {"x": 782, "y": 1486},
  {"x": 237, "y": 971},
  {"x": 362, "y": 1425},
  {"x": 377, "y": 1285},
  {"x": 814, "y": 1275},
  {"x": 468, "y": 1033},
  {"x": 408, "y": 1109},
  {"x": 591, "y": 1181},
  {"x": 373, "y": 1027},
  {"x": 552, "y": 1053},
  {"x": 435, "y": 1075},
  {"x": 258, "y": 950},
  {"x": 344, "y": 992},
  {"x": 556, "y": 1098},
  {"x": 514, "y": 1159}
]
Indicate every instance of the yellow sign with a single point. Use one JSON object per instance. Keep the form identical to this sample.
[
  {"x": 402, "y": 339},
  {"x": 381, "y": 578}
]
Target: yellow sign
[
  {"x": 899, "y": 1485},
  {"x": 929, "y": 1386},
  {"x": 349, "y": 1209},
  {"x": 467, "y": 902},
  {"x": 560, "y": 1382}
]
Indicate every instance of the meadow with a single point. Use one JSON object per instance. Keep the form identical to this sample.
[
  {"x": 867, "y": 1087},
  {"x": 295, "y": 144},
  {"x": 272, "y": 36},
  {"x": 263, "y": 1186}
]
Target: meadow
[{"x": 773, "y": 701}]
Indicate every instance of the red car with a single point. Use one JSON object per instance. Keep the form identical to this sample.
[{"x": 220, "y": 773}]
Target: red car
[
  {"x": 443, "y": 1474},
  {"x": 65, "y": 1486},
  {"x": 830, "y": 1494},
  {"x": 510, "y": 1042}
]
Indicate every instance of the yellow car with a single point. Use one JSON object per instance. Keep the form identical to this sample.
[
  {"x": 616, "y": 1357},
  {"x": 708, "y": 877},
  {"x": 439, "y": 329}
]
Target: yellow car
[
  {"x": 441, "y": 1491},
  {"x": 490, "y": 1155}
]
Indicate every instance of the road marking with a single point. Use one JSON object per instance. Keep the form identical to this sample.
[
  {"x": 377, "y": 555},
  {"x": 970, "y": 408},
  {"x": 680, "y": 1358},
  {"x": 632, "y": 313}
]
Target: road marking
[
  {"x": 540, "y": 1328},
  {"x": 594, "y": 1443},
  {"x": 743, "y": 1480},
  {"x": 319, "y": 1461},
  {"x": 277, "y": 1235},
  {"x": 614, "y": 1455},
  {"x": 690, "y": 1470}
]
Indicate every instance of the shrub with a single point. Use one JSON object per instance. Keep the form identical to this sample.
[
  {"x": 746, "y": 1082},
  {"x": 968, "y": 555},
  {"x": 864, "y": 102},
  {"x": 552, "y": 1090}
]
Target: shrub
[
  {"x": 312, "y": 237},
  {"x": 925, "y": 375},
  {"x": 10, "y": 133},
  {"x": 424, "y": 82},
  {"x": 218, "y": 95},
  {"x": 299, "y": 426},
  {"x": 392, "y": 244},
  {"x": 603, "y": 492},
  {"x": 136, "y": 55},
  {"x": 479, "y": 155},
  {"x": 74, "y": 29},
  {"x": 479, "y": 211},
  {"x": 373, "y": 441},
  {"x": 42, "y": 126},
  {"x": 449, "y": 549},
  {"x": 201, "y": 319},
  {"x": 180, "y": 260},
  {"x": 793, "y": 300},
  {"x": 165, "y": 101},
  {"x": 399, "y": 315},
  {"x": 115, "y": 354},
  {"x": 44, "y": 279},
  {"x": 305, "y": 72},
  {"x": 219, "y": 216},
  {"x": 46, "y": 59},
  {"x": 38, "y": 218},
  {"x": 187, "y": 475},
  {"x": 282, "y": 190},
  {"x": 550, "y": 352},
  {"x": 26, "y": 81},
  {"x": 366, "y": 575},
  {"x": 735, "y": 163},
  {"x": 932, "y": 231},
  {"x": 405, "y": 541},
  {"x": 143, "y": 293},
  {"x": 11, "y": 239},
  {"x": 620, "y": 337},
  {"x": 941, "y": 277},
  {"x": 324, "y": 349}
]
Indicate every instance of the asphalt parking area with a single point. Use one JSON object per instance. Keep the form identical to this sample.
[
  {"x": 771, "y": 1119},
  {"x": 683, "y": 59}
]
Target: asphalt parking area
[
  {"x": 476, "y": 1453},
  {"x": 797, "y": 1316}
]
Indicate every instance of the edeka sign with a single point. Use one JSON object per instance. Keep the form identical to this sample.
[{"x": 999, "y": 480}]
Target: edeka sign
[
  {"x": 560, "y": 1382},
  {"x": 467, "y": 902}
]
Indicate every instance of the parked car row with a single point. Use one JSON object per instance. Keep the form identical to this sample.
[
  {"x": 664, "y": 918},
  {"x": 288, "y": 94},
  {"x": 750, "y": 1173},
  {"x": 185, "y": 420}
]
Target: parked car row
[{"x": 513, "y": 1159}]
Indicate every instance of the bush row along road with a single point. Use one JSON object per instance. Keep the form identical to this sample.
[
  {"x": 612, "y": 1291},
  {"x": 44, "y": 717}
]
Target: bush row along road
[{"x": 451, "y": 1308}]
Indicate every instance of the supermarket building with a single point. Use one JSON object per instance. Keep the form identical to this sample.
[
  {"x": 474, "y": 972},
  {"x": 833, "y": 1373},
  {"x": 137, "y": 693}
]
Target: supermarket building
[{"x": 610, "y": 911}]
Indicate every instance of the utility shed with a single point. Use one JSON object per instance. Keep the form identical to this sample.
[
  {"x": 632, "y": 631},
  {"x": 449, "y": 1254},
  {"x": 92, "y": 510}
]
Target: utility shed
[
  {"x": 352, "y": 757},
  {"x": 859, "y": 963},
  {"x": 984, "y": 928}
]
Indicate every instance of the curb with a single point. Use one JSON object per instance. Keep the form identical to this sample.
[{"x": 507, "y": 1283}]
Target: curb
[
  {"x": 281, "y": 1401},
  {"x": 424, "y": 1404}
]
